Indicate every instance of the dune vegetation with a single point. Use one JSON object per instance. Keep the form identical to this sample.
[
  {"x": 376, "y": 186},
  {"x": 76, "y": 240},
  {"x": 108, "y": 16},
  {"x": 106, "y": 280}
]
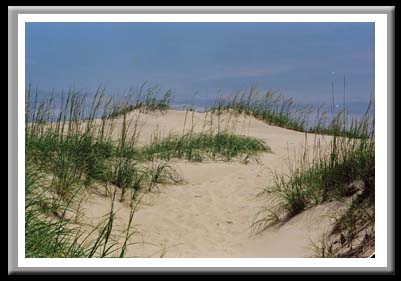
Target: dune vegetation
[
  {"x": 71, "y": 146},
  {"x": 345, "y": 171},
  {"x": 275, "y": 109},
  {"x": 74, "y": 149}
]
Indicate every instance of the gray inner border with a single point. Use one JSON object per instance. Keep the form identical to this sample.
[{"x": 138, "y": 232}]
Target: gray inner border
[{"x": 13, "y": 12}]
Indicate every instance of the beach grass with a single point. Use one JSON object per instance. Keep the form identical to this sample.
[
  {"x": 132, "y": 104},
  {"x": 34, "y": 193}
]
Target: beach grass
[
  {"x": 346, "y": 170},
  {"x": 73, "y": 146},
  {"x": 278, "y": 110},
  {"x": 201, "y": 146},
  {"x": 331, "y": 175},
  {"x": 63, "y": 145},
  {"x": 146, "y": 100},
  {"x": 51, "y": 233}
]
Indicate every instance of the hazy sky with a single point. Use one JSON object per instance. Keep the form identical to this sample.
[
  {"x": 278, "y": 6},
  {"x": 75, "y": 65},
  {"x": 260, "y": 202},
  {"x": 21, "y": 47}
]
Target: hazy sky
[{"x": 298, "y": 59}]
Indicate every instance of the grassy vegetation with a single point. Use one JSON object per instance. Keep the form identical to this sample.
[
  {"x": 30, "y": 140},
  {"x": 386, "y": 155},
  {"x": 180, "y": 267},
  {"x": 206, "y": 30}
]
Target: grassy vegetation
[
  {"x": 45, "y": 238},
  {"x": 275, "y": 109},
  {"x": 147, "y": 100},
  {"x": 345, "y": 170},
  {"x": 74, "y": 152},
  {"x": 272, "y": 108},
  {"x": 51, "y": 231},
  {"x": 332, "y": 176},
  {"x": 71, "y": 152},
  {"x": 200, "y": 146}
]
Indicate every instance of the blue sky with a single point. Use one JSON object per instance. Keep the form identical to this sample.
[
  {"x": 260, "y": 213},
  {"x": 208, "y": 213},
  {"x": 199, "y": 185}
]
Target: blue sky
[{"x": 298, "y": 59}]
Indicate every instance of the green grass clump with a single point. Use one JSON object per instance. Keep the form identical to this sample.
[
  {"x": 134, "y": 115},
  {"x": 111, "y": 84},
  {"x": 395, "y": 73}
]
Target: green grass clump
[
  {"x": 45, "y": 237},
  {"x": 201, "y": 146},
  {"x": 272, "y": 108},
  {"x": 277, "y": 110},
  {"x": 51, "y": 229},
  {"x": 150, "y": 101},
  {"x": 64, "y": 144},
  {"x": 80, "y": 159},
  {"x": 327, "y": 179},
  {"x": 69, "y": 152},
  {"x": 332, "y": 176},
  {"x": 70, "y": 158}
]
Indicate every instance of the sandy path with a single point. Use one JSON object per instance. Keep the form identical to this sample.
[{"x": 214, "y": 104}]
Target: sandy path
[{"x": 211, "y": 213}]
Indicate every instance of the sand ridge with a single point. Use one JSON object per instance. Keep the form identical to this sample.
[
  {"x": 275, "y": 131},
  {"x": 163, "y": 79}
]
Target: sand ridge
[{"x": 211, "y": 213}]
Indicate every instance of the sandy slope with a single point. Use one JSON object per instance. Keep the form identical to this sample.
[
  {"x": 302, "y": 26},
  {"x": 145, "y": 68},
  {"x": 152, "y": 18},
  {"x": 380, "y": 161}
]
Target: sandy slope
[{"x": 211, "y": 213}]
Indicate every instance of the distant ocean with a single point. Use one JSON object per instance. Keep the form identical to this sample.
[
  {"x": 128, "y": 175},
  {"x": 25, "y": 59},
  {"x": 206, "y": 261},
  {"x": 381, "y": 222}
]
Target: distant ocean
[{"x": 356, "y": 110}]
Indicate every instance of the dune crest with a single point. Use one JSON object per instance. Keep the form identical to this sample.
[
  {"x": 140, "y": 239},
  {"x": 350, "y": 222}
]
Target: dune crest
[{"x": 211, "y": 213}]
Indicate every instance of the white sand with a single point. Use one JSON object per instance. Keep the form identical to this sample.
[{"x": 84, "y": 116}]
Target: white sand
[{"x": 211, "y": 214}]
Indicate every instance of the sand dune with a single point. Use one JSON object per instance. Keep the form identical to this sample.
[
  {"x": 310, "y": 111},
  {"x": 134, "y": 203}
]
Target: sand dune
[{"x": 210, "y": 215}]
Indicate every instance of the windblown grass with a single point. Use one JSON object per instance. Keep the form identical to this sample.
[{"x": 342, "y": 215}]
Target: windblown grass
[
  {"x": 332, "y": 175},
  {"x": 67, "y": 143},
  {"x": 51, "y": 233},
  {"x": 74, "y": 152},
  {"x": 275, "y": 109},
  {"x": 147, "y": 100},
  {"x": 272, "y": 108},
  {"x": 64, "y": 145},
  {"x": 200, "y": 146},
  {"x": 345, "y": 170},
  {"x": 45, "y": 238}
]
